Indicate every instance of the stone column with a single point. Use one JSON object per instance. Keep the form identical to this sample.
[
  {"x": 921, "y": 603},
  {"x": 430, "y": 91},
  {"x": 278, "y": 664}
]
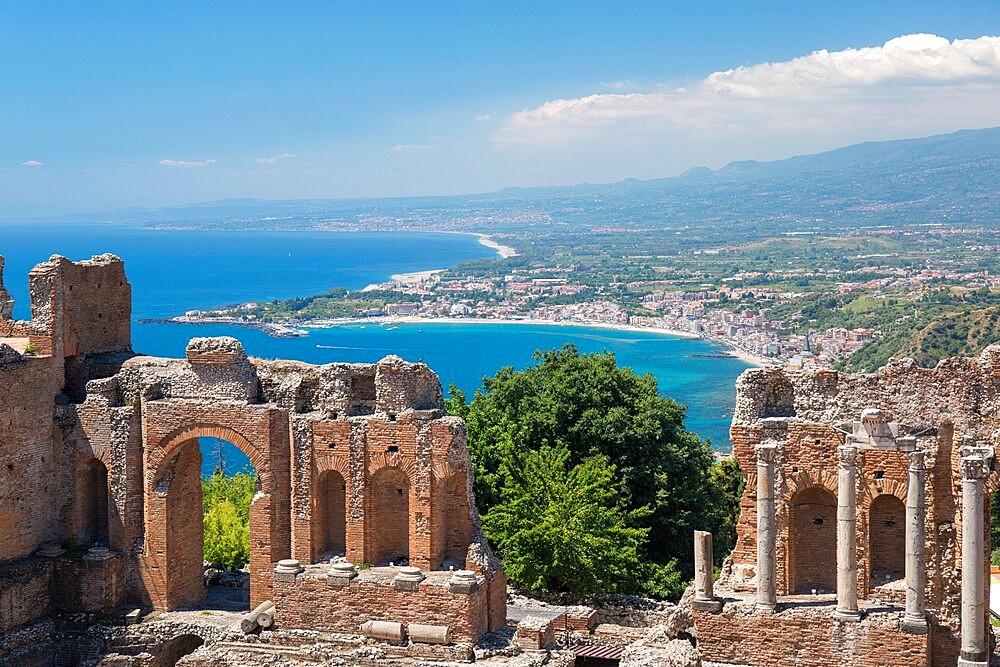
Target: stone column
[
  {"x": 766, "y": 565},
  {"x": 704, "y": 595},
  {"x": 847, "y": 551},
  {"x": 975, "y": 650},
  {"x": 915, "y": 619}
]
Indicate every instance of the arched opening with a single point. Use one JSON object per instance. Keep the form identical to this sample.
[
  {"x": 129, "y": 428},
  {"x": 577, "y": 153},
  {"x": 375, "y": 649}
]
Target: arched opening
[
  {"x": 458, "y": 528},
  {"x": 177, "y": 648},
  {"x": 94, "y": 503},
  {"x": 331, "y": 505},
  {"x": 389, "y": 512},
  {"x": 205, "y": 506},
  {"x": 887, "y": 539},
  {"x": 813, "y": 541}
]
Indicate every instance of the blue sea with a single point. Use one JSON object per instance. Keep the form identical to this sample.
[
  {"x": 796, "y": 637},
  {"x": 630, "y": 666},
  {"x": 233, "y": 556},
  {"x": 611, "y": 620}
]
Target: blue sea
[{"x": 175, "y": 271}]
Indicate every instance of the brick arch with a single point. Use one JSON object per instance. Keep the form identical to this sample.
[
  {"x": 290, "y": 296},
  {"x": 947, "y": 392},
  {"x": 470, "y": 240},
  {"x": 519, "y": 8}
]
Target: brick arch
[
  {"x": 882, "y": 487},
  {"x": 807, "y": 479},
  {"x": 444, "y": 470},
  {"x": 162, "y": 453},
  {"x": 334, "y": 464},
  {"x": 171, "y": 566},
  {"x": 811, "y": 538},
  {"x": 384, "y": 460}
]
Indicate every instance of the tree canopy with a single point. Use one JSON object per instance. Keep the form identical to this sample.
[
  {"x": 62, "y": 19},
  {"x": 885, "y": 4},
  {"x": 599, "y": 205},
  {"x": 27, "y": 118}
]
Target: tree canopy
[{"x": 571, "y": 418}]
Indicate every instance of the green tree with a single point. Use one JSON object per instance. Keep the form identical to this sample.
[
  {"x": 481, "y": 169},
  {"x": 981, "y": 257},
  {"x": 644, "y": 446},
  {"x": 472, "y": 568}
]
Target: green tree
[
  {"x": 226, "y": 508},
  {"x": 562, "y": 528},
  {"x": 227, "y": 536},
  {"x": 588, "y": 406}
]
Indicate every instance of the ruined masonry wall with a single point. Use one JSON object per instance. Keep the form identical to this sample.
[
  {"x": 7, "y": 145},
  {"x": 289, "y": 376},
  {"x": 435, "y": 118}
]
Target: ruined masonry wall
[
  {"x": 740, "y": 637},
  {"x": 99, "y": 447},
  {"x": 806, "y": 414}
]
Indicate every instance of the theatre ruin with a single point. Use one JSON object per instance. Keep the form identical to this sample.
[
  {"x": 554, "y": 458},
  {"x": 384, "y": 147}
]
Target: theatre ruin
[{"x": 863, "y": 537}]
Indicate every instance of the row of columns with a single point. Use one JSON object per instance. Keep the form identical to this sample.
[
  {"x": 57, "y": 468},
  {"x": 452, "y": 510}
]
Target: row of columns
[
  {"x": 847, "y": 512},
  {"x": 976, "y": 465}
]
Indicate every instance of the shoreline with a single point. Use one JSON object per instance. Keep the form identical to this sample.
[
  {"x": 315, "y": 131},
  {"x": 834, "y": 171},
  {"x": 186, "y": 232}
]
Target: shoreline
[
  {"x": 505, "y": 251},
  {"x": 731, "y": 350}
]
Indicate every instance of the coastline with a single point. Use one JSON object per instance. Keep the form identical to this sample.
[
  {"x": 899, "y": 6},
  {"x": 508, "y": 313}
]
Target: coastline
[
  {"x": 505, "y": 251},
  {"x": 735, "y": 352},
  {"x": 293, "y": 328}
]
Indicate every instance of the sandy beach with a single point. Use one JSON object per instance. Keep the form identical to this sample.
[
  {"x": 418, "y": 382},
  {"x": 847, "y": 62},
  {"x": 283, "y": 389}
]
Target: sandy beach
[
  {"x": 414, "y": 277},
  {"x": 742, "y": 355}
]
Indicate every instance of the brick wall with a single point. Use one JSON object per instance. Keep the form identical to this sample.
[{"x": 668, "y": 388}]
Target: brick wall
[
  {"x": 807, "y": 638},
  {"x": 310, "y": 603}
]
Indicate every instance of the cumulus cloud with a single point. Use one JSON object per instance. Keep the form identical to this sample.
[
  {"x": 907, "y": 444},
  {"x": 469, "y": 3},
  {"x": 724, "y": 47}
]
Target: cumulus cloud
[
  {"x": 186, "y": 163},
  {"x": 410, "y": 148},
  {"x": 32, "y": 163},
  {"x": 907, "y": 81},
  {"x": 275, "y": 159}
]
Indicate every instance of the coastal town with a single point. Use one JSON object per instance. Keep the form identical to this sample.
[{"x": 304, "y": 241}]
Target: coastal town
[{"x": 762, "y": 324}]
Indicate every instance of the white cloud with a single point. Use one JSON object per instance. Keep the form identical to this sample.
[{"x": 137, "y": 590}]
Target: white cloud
[
  {"x": 32, "y": 163},
  {"x": 484, "y": 118},
  {"x": 618, "y": 85},
  {"x": 410, "y": 148},
  {"x": 912, "y": 81},
  {"x": 275, "y": 159},
  {"x": 186, "y": 163}
]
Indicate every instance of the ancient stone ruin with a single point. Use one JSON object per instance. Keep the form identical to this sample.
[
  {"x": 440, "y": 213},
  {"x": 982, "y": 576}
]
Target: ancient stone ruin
[
  {"x": 863, "y": 538},
  {"x": 864, "y": 529},
  {"x": 100, "y": 494}
]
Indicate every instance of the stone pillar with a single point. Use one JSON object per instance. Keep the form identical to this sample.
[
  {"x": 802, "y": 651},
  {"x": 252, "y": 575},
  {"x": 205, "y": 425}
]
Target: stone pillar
[
  {"x": 975, "y": 650},
  {"x": 915, "y": 619},
  {"x": 847, "y": 551},
  {"x": 766, "y": 565},
  {"x": 704, "y": 595}
]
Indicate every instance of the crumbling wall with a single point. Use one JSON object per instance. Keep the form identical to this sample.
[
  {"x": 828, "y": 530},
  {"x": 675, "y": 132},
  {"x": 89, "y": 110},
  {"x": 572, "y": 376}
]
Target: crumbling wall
[
  {"x": 806, "y": 414},
  {"x": 32, "y": 481},
  {"x": 100, "y": 445}
]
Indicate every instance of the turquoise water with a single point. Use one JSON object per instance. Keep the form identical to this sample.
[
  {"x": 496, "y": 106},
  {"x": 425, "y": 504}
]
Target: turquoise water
[{"x": 178, "y": 270}]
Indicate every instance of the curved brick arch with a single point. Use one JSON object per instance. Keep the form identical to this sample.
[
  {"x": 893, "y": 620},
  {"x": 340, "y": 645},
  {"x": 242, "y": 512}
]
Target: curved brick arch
[
  {"x": 170, "y": 443},
  {"x": 882, "y": 487},
  {"x": 806, "y": 479},
  {"x": 444, "y": 470},
  {"x": 334, "y": 464},
  {"x": 384, "y": 460},
  {"x": 172, "y": 570},
  {"x": 811, "y": 539}
]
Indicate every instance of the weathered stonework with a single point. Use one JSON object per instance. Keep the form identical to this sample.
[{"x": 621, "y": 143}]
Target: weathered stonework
[
  {"x": 98, "y": 447},
  {"x": 858, "y": 442}
]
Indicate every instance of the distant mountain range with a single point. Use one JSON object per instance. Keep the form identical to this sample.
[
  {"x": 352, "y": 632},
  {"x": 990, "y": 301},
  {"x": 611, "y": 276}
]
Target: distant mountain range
[{"x": 951, "y": 178}]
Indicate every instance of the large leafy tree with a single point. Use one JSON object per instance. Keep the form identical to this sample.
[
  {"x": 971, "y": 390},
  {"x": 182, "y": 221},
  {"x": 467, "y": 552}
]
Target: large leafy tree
[
  {"x": 565, "y": 528},
  {"x": 590, "y": 407}
]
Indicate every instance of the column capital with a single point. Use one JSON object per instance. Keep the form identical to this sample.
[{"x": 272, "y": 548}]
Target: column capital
[
  {"x": 976, "y": 465},
  {"x": 848, "y": 455},
  {"x": 916, "y": 459},
  {"x": 767, "y": 452}
]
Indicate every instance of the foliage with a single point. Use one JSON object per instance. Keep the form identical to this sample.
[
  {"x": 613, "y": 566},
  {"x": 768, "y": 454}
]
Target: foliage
[
  {"x": 565, "y": 528},
  {"x": 226, "y": 507},
  {"x": 665, "y": 482},
  {"x": 29, "y": 350},
  {"x": 227, "y": 537}
]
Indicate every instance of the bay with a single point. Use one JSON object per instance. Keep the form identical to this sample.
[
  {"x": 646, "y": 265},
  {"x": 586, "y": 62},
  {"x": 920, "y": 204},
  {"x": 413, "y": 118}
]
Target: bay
[{"x": 174, "y": 271}]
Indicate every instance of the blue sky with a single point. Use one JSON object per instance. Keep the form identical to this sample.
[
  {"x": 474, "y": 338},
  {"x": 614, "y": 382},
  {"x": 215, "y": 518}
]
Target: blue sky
[{"x": 117, "y": 104}]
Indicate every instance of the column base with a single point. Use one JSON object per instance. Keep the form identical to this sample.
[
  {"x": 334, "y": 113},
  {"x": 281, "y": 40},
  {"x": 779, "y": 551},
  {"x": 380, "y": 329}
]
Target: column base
[
  {"x": 913, "y": 626},
  {"x": 762, "y": 608},
  {"x": 847, "y": 616},
  {"x": 710, "y": 606},
  {"x": 962, "y": 662}
]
